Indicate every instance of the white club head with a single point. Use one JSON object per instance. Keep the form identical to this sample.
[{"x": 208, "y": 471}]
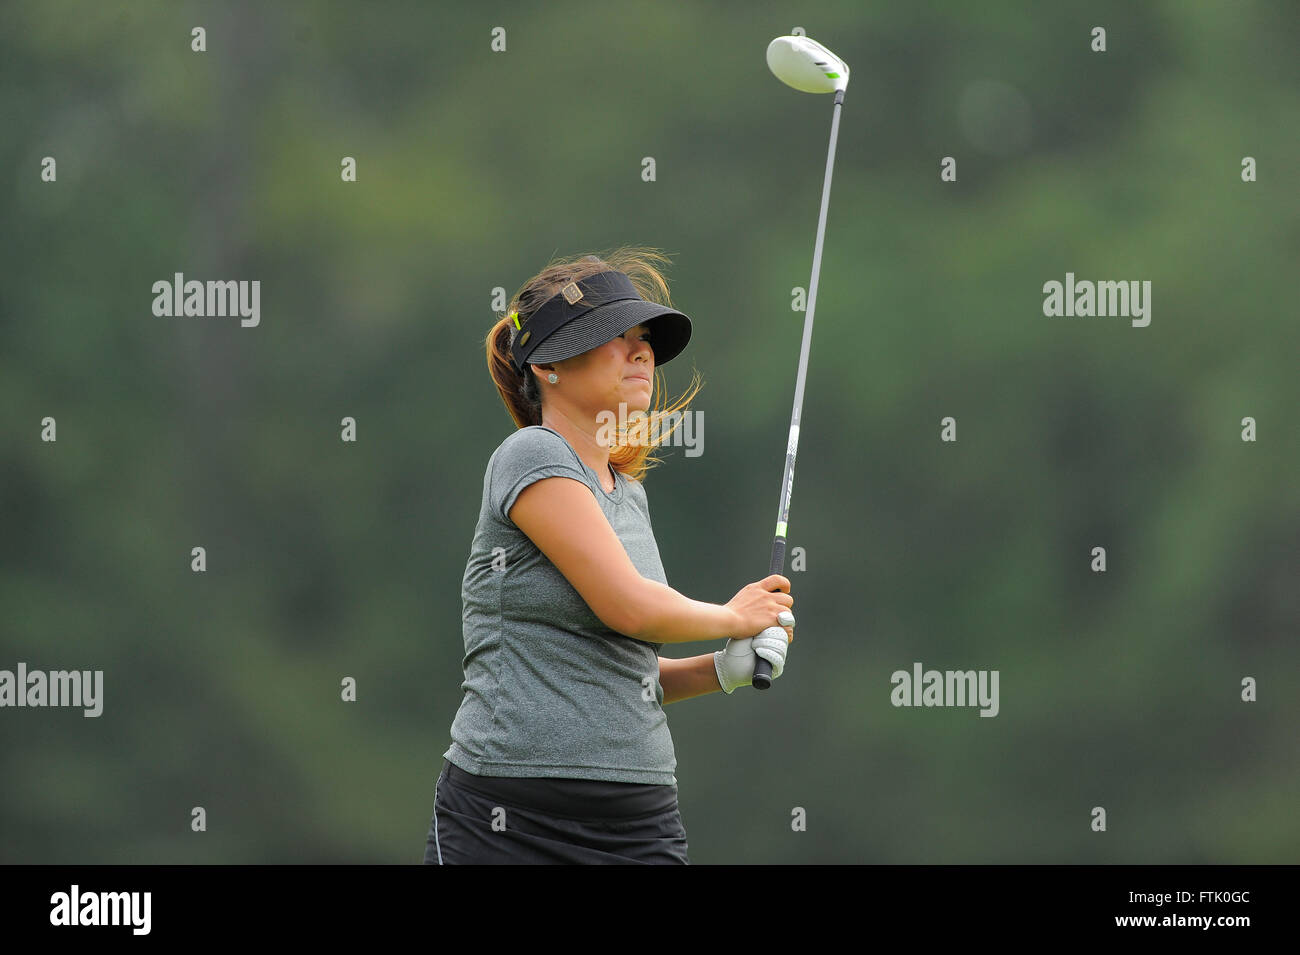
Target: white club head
[{"x": 806, "y": 65}]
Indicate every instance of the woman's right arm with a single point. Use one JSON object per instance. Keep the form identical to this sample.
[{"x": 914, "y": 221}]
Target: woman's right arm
[{"x": 562, "y": 518}]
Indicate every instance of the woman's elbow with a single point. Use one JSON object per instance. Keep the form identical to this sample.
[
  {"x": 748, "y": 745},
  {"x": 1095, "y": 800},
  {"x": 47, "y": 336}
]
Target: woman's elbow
[
  {"x": 627, "y": 621},
  {"x": 627, "y": 615}
]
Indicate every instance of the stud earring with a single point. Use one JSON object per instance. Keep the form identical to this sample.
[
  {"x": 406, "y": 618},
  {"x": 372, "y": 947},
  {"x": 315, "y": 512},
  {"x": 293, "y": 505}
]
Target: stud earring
[{"x": 552, "y": 377}]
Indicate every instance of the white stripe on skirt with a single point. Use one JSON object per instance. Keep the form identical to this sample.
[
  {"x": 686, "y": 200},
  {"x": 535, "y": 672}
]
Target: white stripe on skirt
[{"x": 435, "y": 820}]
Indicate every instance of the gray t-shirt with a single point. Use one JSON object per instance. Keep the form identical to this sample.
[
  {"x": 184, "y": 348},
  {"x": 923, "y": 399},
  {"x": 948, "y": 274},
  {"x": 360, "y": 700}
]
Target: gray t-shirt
[{"x": 549, "y": 690}]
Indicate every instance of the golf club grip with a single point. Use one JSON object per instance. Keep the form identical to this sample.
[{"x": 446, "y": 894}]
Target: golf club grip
[{"x": 762, "y": 669}]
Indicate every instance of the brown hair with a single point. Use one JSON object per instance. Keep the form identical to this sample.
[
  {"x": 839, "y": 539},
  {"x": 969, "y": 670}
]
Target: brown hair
[{"x": 521, "y": 394}]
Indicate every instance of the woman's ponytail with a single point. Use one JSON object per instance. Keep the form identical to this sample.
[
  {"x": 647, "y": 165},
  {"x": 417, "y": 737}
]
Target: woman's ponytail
[{"x": 519, "y": 392}]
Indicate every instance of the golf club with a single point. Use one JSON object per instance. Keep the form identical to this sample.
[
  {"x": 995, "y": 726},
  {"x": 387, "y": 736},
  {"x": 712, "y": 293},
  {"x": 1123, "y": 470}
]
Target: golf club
[{"x": 809, "y": 67}]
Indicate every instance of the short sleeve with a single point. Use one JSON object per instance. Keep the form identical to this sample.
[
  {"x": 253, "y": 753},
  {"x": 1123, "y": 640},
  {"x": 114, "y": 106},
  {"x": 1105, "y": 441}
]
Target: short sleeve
[{"x": 526, "y": 457}]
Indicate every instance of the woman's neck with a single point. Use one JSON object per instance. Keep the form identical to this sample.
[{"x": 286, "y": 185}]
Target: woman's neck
[{"x": 592, "y": 453}]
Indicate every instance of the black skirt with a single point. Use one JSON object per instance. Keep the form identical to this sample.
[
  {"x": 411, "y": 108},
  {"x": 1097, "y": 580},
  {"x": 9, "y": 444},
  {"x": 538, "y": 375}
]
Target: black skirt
[{"x": 500, "y": 820}]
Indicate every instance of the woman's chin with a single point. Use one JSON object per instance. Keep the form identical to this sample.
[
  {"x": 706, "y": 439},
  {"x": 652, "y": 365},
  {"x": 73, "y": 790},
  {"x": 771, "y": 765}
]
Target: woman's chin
[{"x": 637, "y": 397}]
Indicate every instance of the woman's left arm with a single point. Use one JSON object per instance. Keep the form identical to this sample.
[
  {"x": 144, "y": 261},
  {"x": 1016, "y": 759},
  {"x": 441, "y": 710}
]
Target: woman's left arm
[{"x": 688, "y": 677}]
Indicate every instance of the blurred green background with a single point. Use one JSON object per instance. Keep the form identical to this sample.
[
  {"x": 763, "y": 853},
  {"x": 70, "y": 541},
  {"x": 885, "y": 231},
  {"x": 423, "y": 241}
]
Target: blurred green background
[{"x": 475, "y": 168}]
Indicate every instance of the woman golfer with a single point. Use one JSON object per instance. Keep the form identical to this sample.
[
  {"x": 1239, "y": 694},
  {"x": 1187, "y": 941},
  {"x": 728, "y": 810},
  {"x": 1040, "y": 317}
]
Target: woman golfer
[{"x": 560, "y": 749}]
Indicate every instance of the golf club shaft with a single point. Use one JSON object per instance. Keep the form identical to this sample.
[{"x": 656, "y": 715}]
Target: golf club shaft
[{"x": 762, "y": 669}]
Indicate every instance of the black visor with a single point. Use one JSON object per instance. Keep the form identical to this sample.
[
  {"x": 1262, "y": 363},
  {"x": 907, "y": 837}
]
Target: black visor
[{"x": 590, "y": 312}]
